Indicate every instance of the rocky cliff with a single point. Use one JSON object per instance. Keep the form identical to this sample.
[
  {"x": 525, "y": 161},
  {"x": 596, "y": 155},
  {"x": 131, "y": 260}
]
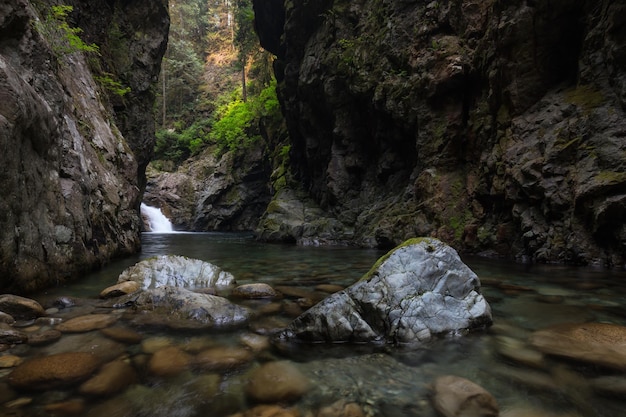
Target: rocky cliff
[
  {"x": 495, "y": 126},
  {"x": 74, "y": 148}
]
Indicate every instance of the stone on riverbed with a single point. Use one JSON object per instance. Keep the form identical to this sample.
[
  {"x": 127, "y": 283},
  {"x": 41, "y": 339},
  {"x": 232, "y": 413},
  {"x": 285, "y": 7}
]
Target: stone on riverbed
[
  {"x": 20, "y": 308},
  {"x": 176, "y": 271},
  {"x": 181, "y": 306},
  {"x": 455, "y": 396},
  {"x": 416, "y": 291},
  {"x": 53, "y": 371}
]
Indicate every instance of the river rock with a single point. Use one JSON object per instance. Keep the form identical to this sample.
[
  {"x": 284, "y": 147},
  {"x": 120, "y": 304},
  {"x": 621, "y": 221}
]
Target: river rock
[
  {"x": 122, "y": 334},
  {"x": 223, "y": 358},
  {"x": 11, "y": 336},
  {"x": 416, "y": 291},
  {"x": 176, "y": 271},
  {"x": 253, "y": 291},
  {"x": 269, "y": 411},
  {"x": 53, "y": 371},
  {"x": 44, "y": 337},
  {"x": 123, "y": 288},
  {"x": 602, "y": 344},
  {"x": 341, "y": 408},
  {"x": 6, "y": 318},
  {"x": 276, "y": 382},
  {"x": 87, "y": 323},
  {"x": 20, "y": 308},
  {"x": 111, "y": 378},
  {"x": 169, "y": 361},
  {"x": 200, "y": 310},
  {"x": 10, "y": 361},
  {"x": 454, "y": 396},
  {"x": 66, "y": 408}
]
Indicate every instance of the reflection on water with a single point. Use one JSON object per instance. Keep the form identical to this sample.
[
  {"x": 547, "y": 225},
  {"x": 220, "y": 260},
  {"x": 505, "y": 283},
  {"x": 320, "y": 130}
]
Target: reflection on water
[{"x": 384, "y": 381}]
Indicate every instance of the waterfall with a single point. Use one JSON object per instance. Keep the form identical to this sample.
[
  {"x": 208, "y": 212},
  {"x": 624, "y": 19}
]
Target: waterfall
[{"x": 157, "y": 220}]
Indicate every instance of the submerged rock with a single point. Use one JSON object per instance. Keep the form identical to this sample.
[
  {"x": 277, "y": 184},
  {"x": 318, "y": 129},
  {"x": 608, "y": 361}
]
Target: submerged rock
[
  {"x": 54, "y": 371},
  {"x": 176, "y": 271},
  {"x": 199, "y": 310},
  {"x": 416, "y": 291},
  {"x": 602, "y": 344},
  {"x": 277, "y": 381},
  {"x": 455, "y": 396},
  {"x": 20, "y": 308}
]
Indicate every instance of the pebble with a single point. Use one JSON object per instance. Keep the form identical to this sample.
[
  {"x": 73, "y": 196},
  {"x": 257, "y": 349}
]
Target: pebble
[
  {"x": 111, "y": 378},
  {"x": 53, "y": 371},
  {"x": 122, "y": 334},
  {"x": 154, "y": 344},
  {"x": 276, "y": 382},
  {"x": 86, "y": 323},
  {"x": 10, "y": 361},
  {"x": 223, "y": 358},
  {"x": 254, "y": 291},
  {"x": 255, "y": 342},
  {"x": 169, "y": 361}
]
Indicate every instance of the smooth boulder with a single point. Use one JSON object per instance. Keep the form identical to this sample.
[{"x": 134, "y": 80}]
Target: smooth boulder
[
  {"x": 54, "y": 371},
  {"x": 176, "y": 271},
  {"x": 417, "y": 291}
]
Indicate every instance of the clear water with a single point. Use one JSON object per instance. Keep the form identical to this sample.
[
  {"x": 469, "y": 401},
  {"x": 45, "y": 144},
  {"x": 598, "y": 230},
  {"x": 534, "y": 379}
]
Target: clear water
[{"x": 384, "y": 381}]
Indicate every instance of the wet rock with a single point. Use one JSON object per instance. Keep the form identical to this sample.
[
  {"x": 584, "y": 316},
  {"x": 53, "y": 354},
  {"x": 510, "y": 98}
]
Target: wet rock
[
  {"x": 223, "y": 358},
  {"x": 176, "y": 271},
  {"x": 43, "y": 338},
  {"x": 151, "y": 345},
  {"x": 65, "y": 302},
  {"x": 20, "y": 308},
  {"x": 341, "y": 408},
  {"x": 6, "y": 393},
  {"x": 10, "y": 361},
  {"x": 535, "y": 412},
  {"x": 54, "y": 371},
  {"x": 517, "y": 351},
  {"x": 275, "y": 382},
  {"x": 111, "y": 378},
  {"x": 102, "y": 348},
  {"x": 6, "y": 318},
  {"x": 610, "y": 385},
  {"x": 602, "y": 344},
  {"x": 329, "y": 288},
  {"x": 419, "y": 290},
  {"x": 269, "y": 411},
  {"x": 255, "y": 342},
  {"x": 454, "y": 396},
  {"x": 200, "y": 310},
  {"x": 117, "y": 290},
  {"x": 66, "y": 408},
  {"x": 254, "y": 291},
  {"x": 122, "y": 334},
  {"x": 169, "y": 361},
  {"x": 11, "y": 336},
  {"x": 87, "y": 323}
]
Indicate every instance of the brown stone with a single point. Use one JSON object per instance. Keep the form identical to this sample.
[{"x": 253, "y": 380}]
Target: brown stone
[
  {"x": 66, "y": 408},
  {"x": 112, "y": 377},
  {"x": 341, "y": 408},
  {"x": 277, "y": 381},
  {"x": 268, "y": 411},
  {"x": 86, "y": 323},
  {"x": 122, "y": 334},
  {"x": 43, "y": 338},
  {"x": 20, "y": 308},
  {"x": 255, "y": 291},
  {"x": 10, "y": 335},
  {"x": 117, "y": 290},
  {"x": 54, "y": 371},
  {"x": 223, "y": 358},
  {"x": 10, "y": 361},
  {"x": 329, "y": 288},
  {"x": 169, "y": 361},
  {"x": 454, "y": 396},
  {"x": 602, "y": 344}
]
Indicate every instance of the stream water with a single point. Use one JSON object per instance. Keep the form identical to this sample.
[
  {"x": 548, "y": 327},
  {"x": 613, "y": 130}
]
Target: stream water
[{"x": 384, "y": 381}]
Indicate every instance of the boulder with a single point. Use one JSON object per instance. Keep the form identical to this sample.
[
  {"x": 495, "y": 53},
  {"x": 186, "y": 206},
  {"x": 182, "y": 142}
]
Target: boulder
[
  {"x": 454, "y": 396},
  {"x": 197, "y": 310},
  {"x": 601, "y": 344},
  {"x": 111, "y": 378},
  {"x": 222, "y": 358},
  {"x": 176, "y": 271},
  {"x": 21, "y": 308},
  {"x": 53, "y": 371},
  {"x": 254, "y": 291},
  {"x": 416, "y": 291},
  {"x": 169, "y": 361}
]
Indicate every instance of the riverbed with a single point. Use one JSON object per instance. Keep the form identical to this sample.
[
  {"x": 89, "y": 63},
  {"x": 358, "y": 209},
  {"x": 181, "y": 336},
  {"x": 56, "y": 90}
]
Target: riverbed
[{"x": 383, "y": 381}]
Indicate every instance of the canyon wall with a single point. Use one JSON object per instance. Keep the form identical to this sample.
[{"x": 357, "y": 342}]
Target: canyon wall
[
  {"x": 74, "y": 149},
  {"x": 496, "y": 126}
]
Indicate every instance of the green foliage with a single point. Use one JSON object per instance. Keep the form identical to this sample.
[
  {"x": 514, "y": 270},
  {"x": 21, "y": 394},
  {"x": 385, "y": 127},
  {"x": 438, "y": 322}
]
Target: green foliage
[
  {"x": 175, "y": 146},
  {"x": 115, "y": 87},
  {"x": 63, "y": 38}
]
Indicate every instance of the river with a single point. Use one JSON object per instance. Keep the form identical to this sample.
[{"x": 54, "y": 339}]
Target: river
[{"x": 383, "y": 381}]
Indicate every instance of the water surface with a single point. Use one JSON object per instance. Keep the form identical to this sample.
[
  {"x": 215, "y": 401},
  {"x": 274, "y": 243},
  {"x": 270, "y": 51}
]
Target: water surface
[{"x": 388, "y": 381}]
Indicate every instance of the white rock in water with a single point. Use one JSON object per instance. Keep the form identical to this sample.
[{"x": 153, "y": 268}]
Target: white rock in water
[
  {"x": 176, "y": 271},
  {"x": 416, "y": 291}
]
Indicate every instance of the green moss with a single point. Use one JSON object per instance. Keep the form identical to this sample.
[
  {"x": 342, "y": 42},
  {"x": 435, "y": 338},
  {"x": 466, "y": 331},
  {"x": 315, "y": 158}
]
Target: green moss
[
  {"x": 413, "y": 241},
  {"x": 584, "y": 96},
  {"x": 611, "y": 177}
]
